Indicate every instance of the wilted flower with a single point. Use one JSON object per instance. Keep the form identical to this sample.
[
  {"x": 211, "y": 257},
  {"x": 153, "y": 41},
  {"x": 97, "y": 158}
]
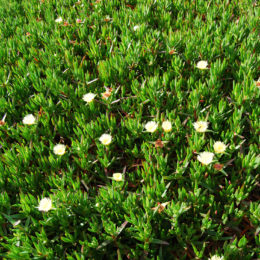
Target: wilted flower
[
  {"x": 107, "y": 19},
  {"x": 216, "y": 257},
  {"x": 107, "y": 94},
  {"x": 172, "y": 51},
  {"x": 161, "y": 206},
  {"x": 203, "y": 64},
  {"x": 201, "y": 126},
  {"x": 218, "y": 166},
  {"x": 151, "y": 126},
  {"x": 59, "y": 149},
  {"x": 29, "y": 119},
  {"x": 205, "y": 157},
  {"x": 219, "y": 147},
  {"x": 159, "y": 143},
  {"x": 45, "y": 205},
  {"x": 105, "y": 139},
  {"x": 89, "y": 97},
  {"x": 78, "y": 21},
  {"x": 117, "y": 177},
  {"x": 167, "y": 126},
  {"x": 2, "y": 122},
  {"x": 58, "y": 20}
]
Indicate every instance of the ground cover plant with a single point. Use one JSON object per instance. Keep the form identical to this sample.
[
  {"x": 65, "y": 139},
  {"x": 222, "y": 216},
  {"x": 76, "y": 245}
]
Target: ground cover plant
[{"x": 129, "y": 129}]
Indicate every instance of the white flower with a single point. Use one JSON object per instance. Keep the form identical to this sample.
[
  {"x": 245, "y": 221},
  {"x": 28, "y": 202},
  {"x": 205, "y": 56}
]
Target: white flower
[
  {"x": 16, "y": 223},
  {"x": 117, "y": 177},
  {"x": 45, "y": 204},
  {"x": 29, "y": 119},
  {"x": 219, "y": 147},
  {"x": 89, "y": 97},
  {"x": 136, "y": 27},
  {"x": 203, "y": 65},
  {"x": 105, "y": 139},
  {"x": 205, "y": 157},
  {"x": 216, "y": 257},
  {"x": 58, "y": 20},
  {"x": 167, "y": 126},
  {"x": 59, "y": 149},
  {"x": 151, "y": 126},
  {"x": 201, "y": 126},
  {"x": 258, "y": 83}
]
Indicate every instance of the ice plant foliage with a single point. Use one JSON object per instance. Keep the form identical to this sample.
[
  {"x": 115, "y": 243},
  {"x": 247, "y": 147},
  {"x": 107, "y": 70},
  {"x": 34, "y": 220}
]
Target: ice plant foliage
[
  {"x": 105, "y": 139},
  {"x": 219, "y": 147},
  {"x": 45, "y": 204},
  {"x": 167, "y": 126},
  {"x": 89, "y": 97},
  {"x": 202, "y": 65},
  {"x": 59, "y": 149},
  {"x": 201, "y": 126},
  {"x": 91, "y": 74},
  {"x": 206, "y": 157},
  {"x": 151, "y": 126},
  {"x": 29, "y": 119}
]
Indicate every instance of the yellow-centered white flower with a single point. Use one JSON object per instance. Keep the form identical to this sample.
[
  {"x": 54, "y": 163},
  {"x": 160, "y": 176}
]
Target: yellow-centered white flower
[
  {"x": 219, "y": 147},
  {"x": 29, "y": 119},
  {"x": 202, "y": 65},
  {"x": 58, "y": 20},
  {"x": 216, "y": 257},
  {"x": 105, "y": 139},
  {"x": 201, "y": 126},
  {"x": 45, "y": 204},
  {"x": 59, "y": 149},
  {"x": 117, "y": 177},
  {"x": 205, "y": 157},
  {"x": 167, "y": 126},
  {"x": 151, "y": 126},
  {"x": 89, "y": 97}
]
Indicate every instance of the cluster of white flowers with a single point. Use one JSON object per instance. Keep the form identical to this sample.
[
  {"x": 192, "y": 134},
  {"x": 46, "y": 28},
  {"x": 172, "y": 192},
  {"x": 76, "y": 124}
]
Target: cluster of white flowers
[
  {"x": 219, "y": 147},
  {"x": 151, "y": 126},
  {"x": 89, "y": 97}
]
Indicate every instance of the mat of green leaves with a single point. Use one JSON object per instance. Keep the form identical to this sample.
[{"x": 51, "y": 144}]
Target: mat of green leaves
[{"x": 129, "y": 129}]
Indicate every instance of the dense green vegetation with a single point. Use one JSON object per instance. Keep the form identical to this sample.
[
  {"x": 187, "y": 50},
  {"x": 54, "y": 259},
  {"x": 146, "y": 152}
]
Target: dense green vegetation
[{"x": 140, "y": 60}]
